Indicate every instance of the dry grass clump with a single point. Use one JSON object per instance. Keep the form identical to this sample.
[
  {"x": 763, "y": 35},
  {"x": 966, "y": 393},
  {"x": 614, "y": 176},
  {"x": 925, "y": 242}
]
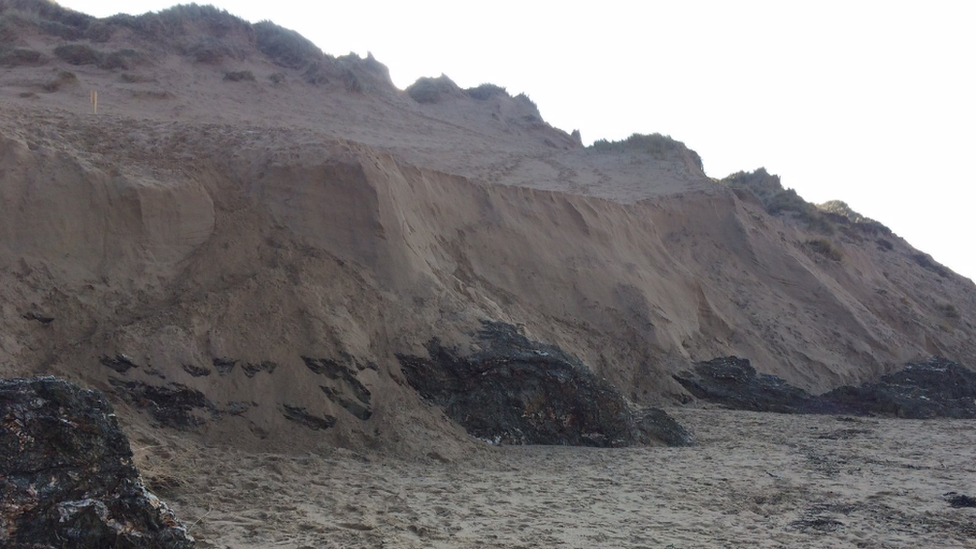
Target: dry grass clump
[
  {"x": 51, "y": 19},
  {"x": 239, "y": 76},
  {"x": 161, "y": 469},
  {"x": 767, "y": 190},
  {"x": 63, "y": 78},
  {"x": 122, "y": 59},
  {"x": 948, "y": 310},
  {"x": 211, "y": 51},
  {"x": 841, "y": 212},
  {"x": 9, "y": 31},
  {"x": 48, "y": 17},
  {"x": 825, "y": 248},
  {"x": 83, "y": 54},
  {"x": 926, "y": 262},
  {"x": 825, "y": 218},
  {"x": 762, "y": 184},
  {"x": 130, "y": 78},
  {"x": 156, "y": 95},
  {"x": 20, "y": 57},
  {"x": 78, "y": 54},
  {"x": 285, "y": 47},
  {"x": 175, "y": 21},
  {"x": 655, "y": 144},
  {"x": 433, "y": 90},
  {"x": 486, "y": 91}
]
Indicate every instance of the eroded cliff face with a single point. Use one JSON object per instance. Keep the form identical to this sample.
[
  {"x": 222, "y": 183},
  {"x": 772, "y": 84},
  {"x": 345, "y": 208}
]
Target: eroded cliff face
[{"x": 204, "y": 242}]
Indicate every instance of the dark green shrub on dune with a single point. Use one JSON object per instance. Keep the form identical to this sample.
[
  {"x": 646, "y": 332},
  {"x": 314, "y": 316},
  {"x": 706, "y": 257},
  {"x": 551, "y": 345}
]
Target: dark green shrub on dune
[{"x": 285, "y": 47}]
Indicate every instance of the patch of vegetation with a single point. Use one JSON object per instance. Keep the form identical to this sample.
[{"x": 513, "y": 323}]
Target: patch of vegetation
[
  {"x": 762, "y": 184},
  {"x": 485, "y": 92},
  {"x": 432, "y": 90},
  {"x": 130, "y": 78},
  {"x": 63, "y": 79},
  {"x": 841, "y": 208},
  {"x": 948, "y": 310},
  {"x": 926, "y": 262},
  {"x": 352, "y": 82},
  {"x": 825, "y": 218},
  {"x": 285, "y": 47},
  {"x": 99, "y": 32},
  {"x": 78, "y": 54},
  {"x": 151, "y": 94},
  {"x": 27, "y": 95},
  {"x": 527, "y": 100},
  {"x": 215, "y": 20},
  {"x": 9, "y": 33},
  {"x": 278, "y": 78},
  {"x": 843, "y": 211},
  {"x": 48, "y": 16},
  {"x": 62, "y": 31},
  {"x": 83, "y": 54},
  {"x": 655, "y": 144},
  {"x": 122, "y": 59},
  {"x": 787, "y": 201},
  {"x": 211, "y": 51},
  {"x": 318, "y": 73},
  {"x": 825, "y": 248},
  {"x": 173, "y": 21},
  {"x": 239, "y": 76},
  {"x": 885, "y": 244},
  {"x": 20, "y": 57}
]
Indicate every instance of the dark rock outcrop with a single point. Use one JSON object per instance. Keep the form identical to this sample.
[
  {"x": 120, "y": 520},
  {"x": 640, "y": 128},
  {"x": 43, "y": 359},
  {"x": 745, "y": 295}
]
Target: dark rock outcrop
[
  {"x": 733, "y": 382},
  {"x": 196, "y": 371},
  {"x": 655, "y": 424},
  {"x": 120, "y": 363},
  {"x": 224, "y": 366},
  {"x": 302, "y": 416},
  {"x": 935, "y": 388},
  {"x": 959, "y": 501},
  {"x": 251, "y": 370},
  {"x": 174, "y": 406},
  {"x": 345, "y": 390},
  {"x": 67, "y": 478},
  {"x": 517, "y": 391}
]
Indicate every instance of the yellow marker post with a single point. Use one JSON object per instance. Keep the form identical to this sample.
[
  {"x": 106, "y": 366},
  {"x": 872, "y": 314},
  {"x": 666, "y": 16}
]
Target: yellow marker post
[{"x": 94, "y": 101}]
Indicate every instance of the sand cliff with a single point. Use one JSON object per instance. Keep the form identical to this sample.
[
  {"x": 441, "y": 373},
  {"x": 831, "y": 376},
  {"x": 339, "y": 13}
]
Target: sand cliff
[{"x": 240, "y": 205}]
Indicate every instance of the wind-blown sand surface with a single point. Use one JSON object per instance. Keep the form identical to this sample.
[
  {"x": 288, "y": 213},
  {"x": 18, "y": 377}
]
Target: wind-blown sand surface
[{"x": 755, "y": 480}]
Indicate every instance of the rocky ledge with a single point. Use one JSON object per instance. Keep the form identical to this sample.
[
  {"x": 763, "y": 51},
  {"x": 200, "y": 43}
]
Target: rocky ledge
[
  {"x": 67, "y": 477},
  {"x": 518, "y": 391},
  {"x": 936, "y": 387}
]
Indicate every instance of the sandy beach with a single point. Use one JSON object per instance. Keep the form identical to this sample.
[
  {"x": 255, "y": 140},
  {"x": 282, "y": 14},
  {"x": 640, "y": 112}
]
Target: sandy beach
[{"x": 755, "y": 480}]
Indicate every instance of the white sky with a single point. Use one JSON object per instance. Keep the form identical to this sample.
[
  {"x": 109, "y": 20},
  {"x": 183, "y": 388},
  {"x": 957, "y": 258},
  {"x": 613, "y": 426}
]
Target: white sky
[{"x": 870, "y": 102}]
